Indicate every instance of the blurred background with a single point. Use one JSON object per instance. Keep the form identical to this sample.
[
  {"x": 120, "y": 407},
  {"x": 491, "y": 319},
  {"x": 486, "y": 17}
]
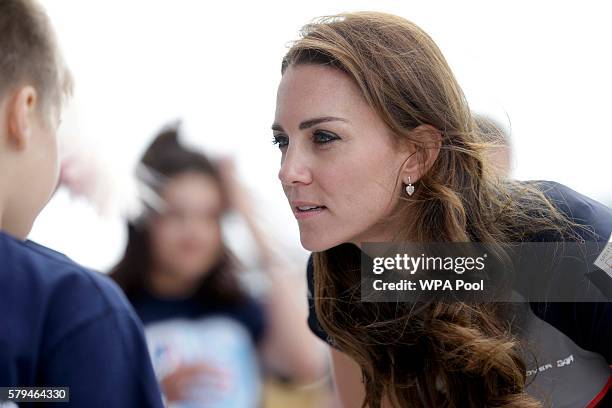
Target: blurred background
[{"x": 538, "y": 69}]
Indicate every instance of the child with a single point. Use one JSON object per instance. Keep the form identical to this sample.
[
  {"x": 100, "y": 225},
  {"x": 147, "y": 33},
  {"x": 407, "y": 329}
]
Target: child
[
  {"x": 61, "y": 325},
  {"x": 210, "y": 339}
]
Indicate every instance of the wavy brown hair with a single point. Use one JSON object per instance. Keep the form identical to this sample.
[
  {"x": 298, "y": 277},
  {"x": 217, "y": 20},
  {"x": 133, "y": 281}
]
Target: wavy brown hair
[{"x": 428, "y": 354}]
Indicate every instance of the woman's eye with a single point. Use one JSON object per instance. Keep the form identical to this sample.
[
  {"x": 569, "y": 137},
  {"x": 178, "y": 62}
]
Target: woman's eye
[
  {"x": 321, "y": 137},
  {"x": 281, "y": 141}
]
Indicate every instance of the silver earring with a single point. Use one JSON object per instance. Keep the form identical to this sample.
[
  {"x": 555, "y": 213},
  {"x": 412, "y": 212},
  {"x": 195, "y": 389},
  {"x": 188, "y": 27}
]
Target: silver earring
[{"x": 409, "y": 187}]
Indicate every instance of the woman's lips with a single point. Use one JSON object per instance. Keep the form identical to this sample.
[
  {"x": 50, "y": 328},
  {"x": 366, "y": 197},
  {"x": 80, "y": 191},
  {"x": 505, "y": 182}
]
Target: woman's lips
[
  {"x": 306, "y": 209},
  {"x": 300, "y": 215}
]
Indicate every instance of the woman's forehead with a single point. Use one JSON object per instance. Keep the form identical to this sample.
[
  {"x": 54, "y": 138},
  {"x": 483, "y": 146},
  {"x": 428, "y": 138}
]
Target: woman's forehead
[{"x": 308, "y": 91}]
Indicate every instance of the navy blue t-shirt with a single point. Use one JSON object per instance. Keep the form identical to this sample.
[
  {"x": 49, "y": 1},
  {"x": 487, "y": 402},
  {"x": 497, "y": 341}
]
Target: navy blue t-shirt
[{"x": 63, "y": 325}]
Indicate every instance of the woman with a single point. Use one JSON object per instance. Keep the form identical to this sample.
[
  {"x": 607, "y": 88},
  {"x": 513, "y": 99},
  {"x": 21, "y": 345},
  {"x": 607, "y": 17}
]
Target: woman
[
  {"x": 379, "y": 145},
  {"x": 206, "y": 334}
]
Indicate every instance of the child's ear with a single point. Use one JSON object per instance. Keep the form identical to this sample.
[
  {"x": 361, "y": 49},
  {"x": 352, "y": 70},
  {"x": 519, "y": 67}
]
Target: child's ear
[
  {"x": 420, "y": 158},
  {"x": 21, "y": 110}
]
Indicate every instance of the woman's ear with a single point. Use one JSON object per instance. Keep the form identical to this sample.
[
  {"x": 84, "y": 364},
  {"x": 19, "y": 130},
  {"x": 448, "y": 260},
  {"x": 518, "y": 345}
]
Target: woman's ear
[{"x": 421, "y": 157}]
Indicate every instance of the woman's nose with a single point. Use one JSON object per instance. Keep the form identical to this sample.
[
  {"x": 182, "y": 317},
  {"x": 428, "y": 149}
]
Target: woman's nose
[{"x": 294, "y": 168}]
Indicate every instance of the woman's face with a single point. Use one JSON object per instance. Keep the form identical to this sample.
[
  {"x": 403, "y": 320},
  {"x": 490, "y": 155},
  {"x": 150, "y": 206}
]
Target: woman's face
[
  {"x": 337, "y": 155},
  {"x": 186, "y": 237}
]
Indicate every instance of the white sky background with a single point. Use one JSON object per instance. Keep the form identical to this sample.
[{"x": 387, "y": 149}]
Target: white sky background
[{"x": 542, "y": 67}]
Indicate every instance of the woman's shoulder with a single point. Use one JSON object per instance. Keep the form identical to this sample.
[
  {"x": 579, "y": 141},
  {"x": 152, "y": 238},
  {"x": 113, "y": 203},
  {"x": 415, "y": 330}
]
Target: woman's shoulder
[{"x": 578, "y": 208}]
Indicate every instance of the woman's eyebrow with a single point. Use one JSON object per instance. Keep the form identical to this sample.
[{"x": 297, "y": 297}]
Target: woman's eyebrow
[
  {"x": 311, "y": 122},
  {"x": 315, "y": 121}
]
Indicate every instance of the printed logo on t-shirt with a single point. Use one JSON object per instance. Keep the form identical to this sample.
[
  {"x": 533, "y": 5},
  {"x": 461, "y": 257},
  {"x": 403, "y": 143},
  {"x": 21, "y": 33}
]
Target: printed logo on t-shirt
[{"x": 224, "y": 349}]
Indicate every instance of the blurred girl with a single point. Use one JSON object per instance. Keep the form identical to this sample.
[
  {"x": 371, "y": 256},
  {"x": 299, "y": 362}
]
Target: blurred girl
[{"x": 206, "y": 334}]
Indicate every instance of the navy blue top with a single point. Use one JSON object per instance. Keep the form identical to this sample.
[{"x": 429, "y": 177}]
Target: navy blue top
[
  {"x": 588, "y": 324},
  {"x": 63, "y": 325}
]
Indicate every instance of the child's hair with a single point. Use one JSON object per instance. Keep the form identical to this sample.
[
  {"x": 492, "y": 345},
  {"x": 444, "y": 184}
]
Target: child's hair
[
  {"x": 164, "y": 160},
  {"x": 29, "y": 54},
  {"x": 430, "y": 354}
]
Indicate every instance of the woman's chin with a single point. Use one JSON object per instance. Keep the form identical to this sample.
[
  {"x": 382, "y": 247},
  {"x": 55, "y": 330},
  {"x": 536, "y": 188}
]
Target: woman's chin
[{"x": 314, "y": 243}]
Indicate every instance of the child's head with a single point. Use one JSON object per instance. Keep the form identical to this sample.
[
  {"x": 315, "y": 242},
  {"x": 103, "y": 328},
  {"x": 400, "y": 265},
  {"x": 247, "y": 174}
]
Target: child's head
[
  {"x": 33, "y": 84},
  {"x": 177, "y": 241},
  {"x": 184, "y": 197}
]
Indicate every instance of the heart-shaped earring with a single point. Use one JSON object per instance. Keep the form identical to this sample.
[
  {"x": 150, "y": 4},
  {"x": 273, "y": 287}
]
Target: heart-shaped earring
[{"x": 409, "y": 187}]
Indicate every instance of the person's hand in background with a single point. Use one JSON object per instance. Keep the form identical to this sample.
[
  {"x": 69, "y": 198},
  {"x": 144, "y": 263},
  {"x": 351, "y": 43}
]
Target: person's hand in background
[
  {"x": 241, "y": 200},
  {"x": 84, "y": 169},
  {"x": 235, "y": 192},
  {"x": 84, "y": 176},
  {"x": 205, "y": 382}
]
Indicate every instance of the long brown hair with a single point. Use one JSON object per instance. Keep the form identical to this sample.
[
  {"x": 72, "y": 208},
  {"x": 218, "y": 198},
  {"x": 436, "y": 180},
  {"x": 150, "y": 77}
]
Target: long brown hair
[
  {"x": 166, "y": 159},
  {"x": 431, "y": 354}
]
